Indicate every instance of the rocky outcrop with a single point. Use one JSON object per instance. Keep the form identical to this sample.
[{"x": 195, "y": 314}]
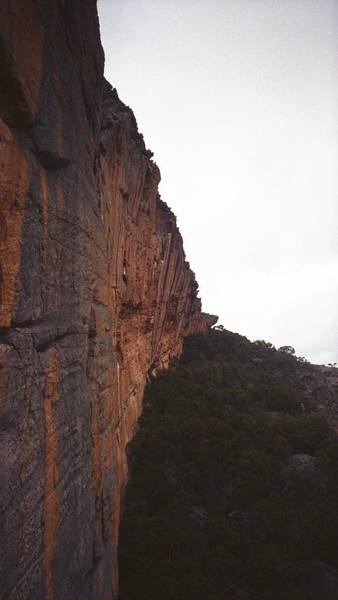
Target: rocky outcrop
[
  {"x": 324, "y": 387},
  {"x": 95, "y": 294}
]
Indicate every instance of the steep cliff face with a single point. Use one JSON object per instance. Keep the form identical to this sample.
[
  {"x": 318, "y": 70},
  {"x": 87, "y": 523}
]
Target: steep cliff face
[{"x": 95, "y": 294}]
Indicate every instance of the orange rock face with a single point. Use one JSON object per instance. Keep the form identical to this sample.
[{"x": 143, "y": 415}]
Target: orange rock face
[{"x": 95, "y": 295}]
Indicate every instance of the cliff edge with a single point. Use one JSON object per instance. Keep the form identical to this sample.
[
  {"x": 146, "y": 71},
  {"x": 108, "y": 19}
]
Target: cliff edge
[{"x": 95, "y": 296}]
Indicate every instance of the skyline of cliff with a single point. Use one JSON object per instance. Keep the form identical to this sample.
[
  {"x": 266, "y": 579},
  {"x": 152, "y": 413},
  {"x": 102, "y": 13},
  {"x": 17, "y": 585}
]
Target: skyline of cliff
[{"x": 238, "y": 101}]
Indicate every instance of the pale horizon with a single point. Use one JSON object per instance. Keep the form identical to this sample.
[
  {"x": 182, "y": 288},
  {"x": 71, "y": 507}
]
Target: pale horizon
[{"x": 238, "y": 100}]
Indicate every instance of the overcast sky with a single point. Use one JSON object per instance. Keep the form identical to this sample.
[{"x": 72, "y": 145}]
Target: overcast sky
[{"x": 238, "y": 100}]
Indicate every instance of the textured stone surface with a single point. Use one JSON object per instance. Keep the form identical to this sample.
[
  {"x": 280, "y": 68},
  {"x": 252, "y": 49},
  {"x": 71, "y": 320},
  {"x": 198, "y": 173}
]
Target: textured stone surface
[{"x": 95, "y": 294}]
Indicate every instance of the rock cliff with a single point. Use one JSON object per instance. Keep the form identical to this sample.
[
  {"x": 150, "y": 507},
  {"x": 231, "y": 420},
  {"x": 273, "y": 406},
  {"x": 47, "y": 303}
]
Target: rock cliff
[{"x": 95, "y": 295}]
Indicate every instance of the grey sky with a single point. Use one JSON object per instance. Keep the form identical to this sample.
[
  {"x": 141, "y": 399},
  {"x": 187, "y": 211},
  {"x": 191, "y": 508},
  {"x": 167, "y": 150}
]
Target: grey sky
[{"x": 238, "y": 100}]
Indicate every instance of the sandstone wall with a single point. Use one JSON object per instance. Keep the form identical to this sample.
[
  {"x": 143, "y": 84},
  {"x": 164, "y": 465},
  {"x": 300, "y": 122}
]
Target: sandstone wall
[{"x": 95, "y": 294}]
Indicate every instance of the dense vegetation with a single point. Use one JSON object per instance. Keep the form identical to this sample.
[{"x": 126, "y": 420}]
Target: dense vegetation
[{"x": 234, "y": 481}]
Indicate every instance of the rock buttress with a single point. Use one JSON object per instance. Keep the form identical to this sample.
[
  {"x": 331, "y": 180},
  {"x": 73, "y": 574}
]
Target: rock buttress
[{"x": 95, "y": 296}]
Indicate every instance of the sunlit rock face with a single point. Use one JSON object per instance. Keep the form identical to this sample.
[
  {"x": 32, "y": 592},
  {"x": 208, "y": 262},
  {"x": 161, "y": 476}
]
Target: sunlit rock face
[{"x": 95, "y": 295}]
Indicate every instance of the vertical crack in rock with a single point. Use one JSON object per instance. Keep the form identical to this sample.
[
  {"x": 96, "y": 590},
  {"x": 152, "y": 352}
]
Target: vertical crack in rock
[{"x": 51, "y": 475}]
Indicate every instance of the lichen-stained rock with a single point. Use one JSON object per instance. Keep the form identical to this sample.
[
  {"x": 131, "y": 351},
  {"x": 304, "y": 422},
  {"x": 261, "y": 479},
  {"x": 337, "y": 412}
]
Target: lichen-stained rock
[{"x": 95, "y": 296}]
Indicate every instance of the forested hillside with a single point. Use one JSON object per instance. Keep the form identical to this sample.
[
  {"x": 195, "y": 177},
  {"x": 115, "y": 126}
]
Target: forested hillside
[{"x": 234, "y": 479}]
